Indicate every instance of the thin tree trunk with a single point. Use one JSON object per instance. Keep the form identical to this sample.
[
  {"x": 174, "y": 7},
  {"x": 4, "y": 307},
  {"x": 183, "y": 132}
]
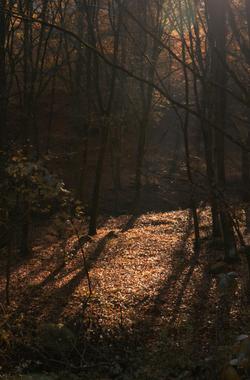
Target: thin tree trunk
[
  {"x": 98, "y": 179},
  {"x": 8, "y": 270},
  {"x": 3, "y": 100}
]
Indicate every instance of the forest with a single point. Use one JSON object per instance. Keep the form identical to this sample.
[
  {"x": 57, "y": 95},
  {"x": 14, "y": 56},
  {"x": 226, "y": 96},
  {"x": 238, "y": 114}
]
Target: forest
[{"x": 125, "y": 189}]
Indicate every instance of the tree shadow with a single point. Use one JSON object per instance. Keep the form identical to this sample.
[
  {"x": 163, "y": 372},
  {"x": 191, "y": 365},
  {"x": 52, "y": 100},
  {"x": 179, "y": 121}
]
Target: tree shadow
[
  {"x": 158, "y": 302},
  {"x": 180, "y": 275},
  {"x": 200, "y": 304},
  {"x": 63, "y": 293},
  {"x": 130, "y": 223},
  {"x": 51, "y": 303},
  {"x": 51, "y": 276},
  {"x": 41, "y": 301},
  {"x": 206, "y": 322},
  {"x": 185, "y": 282},
  {"x": 101, "y": 245}
]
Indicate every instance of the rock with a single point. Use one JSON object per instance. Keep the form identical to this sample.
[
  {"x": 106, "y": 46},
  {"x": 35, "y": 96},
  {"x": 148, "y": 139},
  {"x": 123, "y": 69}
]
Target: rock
[{"x": 241, "y": 337}]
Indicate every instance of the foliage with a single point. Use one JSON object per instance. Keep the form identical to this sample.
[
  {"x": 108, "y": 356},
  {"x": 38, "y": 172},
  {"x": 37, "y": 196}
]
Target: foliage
[
  {"x": 27, "y": 181},
  {"x": 30, "y": 190}
]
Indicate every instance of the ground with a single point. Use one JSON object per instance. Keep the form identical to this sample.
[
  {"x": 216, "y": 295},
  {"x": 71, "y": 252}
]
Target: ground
[{"x": 155, "y": 311}]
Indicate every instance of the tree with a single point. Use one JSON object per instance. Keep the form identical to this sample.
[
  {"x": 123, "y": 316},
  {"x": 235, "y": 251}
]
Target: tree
[{"x": 3, "y": 99}]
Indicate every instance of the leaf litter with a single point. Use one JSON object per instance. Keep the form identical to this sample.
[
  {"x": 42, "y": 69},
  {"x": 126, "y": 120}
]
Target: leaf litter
[{"x": 146, "y": 280}]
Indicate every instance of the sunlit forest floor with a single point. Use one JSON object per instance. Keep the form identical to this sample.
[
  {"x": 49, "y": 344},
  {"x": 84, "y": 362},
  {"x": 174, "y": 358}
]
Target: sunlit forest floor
[{"x": 155, "y": 311}]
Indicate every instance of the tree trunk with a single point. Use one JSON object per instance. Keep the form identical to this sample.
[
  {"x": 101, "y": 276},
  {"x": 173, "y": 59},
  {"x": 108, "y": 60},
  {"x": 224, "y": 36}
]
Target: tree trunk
[
  {"x": 217, "y": 30},
  {"x": 3, "y": 99},
  {"x": 24, "y": 243},
  {"x": 98, "y": 179}
]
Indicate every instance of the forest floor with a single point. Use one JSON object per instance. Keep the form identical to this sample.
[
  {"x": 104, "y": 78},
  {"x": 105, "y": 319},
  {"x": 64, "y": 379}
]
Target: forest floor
[{"x": 155, "y": 311}]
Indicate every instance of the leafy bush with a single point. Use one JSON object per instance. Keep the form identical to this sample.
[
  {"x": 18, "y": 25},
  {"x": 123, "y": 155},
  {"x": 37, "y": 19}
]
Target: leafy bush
[
  {"x": 29, "y": 183},
  {"x": 29, "y": 189}
]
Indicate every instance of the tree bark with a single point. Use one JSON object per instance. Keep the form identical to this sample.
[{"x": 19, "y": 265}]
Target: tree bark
[{"x": 3, "y": 99}]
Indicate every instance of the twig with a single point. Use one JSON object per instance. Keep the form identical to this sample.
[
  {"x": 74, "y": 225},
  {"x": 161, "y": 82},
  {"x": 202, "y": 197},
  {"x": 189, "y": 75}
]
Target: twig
[{"x": 84, "y": 259}]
